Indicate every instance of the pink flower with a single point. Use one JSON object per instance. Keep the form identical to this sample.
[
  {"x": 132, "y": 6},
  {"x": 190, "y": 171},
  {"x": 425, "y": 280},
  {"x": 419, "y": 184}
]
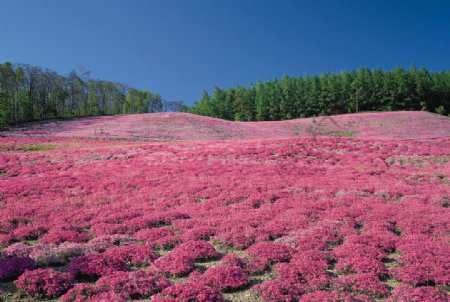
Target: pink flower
[
  {"x": 197, "y": 249},
  {"x": 225, "y": 278},
  {"x": 135, "y": 254},
  {"x": 178, "y": 264},
  {"x": 367, "y": 283},
  {"x": 13, "y": 267},
  {"x": 136, "y": 285},
  {"x": 47, "y": 283},
  {"x": 424, "y": 294},
  {"x": 273, "y": 252},
  {"x": 189, "y": 292},
  {"x": 96, "y": 265}
]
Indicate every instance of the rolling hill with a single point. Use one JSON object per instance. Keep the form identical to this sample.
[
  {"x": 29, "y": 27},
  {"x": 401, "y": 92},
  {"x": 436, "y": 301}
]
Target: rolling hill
[{"x": 186, "y": 127}]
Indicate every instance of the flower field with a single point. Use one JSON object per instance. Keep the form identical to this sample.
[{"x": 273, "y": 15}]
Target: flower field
[
  {"x": 260, "y": 214},
  {"x": 169, "y": 126}
]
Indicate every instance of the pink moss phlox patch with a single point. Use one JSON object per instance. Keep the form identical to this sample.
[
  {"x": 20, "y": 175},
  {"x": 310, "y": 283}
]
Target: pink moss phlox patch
[{"x": 45, "y": 283}]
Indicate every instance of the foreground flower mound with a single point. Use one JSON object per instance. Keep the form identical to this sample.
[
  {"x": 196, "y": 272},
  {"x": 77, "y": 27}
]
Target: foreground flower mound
[
  {"x": 139, "y": 284},
  {"x": 293, "y": 219},
  {"x": 424, "y": 293},
  {"x": 87, "y": 292},
  {"x": 47, "y": 283},
  {"x": 224, "y": 278},
  {"x": 13, "y": 267},
  {"x": 96, "y": 265},
  {"x": 189, "y": 292}
]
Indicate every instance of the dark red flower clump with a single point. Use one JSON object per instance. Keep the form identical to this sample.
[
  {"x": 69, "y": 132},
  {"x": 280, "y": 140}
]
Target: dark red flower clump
[
  {"x": 279, "y": 290},
  {"x": 189, "y": 292},
  {"x": 158, "y": 237},
  {"x": 359, "y": 258},
  {"x": 367, "y": 283},
  {"x": 424, "y": 261},
  {"x": 47, "y": 283},
  {"x": 423, "y": 294},
  {"x": 273, "y": 252},
  {"x": 96, "y": 265},
  {"x": 64, "y": 234},
  {"x": 225, "y": 278},
  {"x": 175, "y": 264},
  {"x": 135, "y": 254},
  {"x": 136, "y": 285},
  {"x": 84, "y": 292},
  {"x": 197, "y": 249},
  {"x": 13, "y": 267},
  {"x": 102, "y": 243},
  {"x": 233, "y": 260}
]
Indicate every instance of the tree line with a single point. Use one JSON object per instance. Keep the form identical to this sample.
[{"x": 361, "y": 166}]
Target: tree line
[
  {"x": 29, "y": 93},
  {"x": 326, "y": 94}
]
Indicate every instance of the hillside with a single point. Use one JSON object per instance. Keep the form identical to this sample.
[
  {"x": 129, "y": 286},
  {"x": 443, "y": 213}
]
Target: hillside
[
  {"x": 185, "y": 127},
  {"x": 275, "y": 217}
]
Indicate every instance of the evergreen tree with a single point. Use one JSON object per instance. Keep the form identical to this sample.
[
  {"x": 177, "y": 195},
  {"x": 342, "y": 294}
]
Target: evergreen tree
[{"x": 346, "y": 92}]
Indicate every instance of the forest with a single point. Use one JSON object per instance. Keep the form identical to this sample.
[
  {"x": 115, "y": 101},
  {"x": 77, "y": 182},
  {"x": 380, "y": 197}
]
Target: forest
[
  {"x": 30, "y": 93},
  {"x": 329, "y": 93}
]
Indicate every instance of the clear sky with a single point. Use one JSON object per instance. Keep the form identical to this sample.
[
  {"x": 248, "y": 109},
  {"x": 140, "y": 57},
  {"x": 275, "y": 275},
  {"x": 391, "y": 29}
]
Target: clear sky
[{"x": 179, "y": 48}]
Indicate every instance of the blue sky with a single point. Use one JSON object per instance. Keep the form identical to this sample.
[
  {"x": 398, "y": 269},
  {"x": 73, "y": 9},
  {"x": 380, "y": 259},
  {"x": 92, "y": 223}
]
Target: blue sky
[{"x": 179, "y": 48}]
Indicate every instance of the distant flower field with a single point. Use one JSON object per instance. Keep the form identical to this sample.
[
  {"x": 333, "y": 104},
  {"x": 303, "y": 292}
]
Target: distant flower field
[{"x": 309, "y": 218}]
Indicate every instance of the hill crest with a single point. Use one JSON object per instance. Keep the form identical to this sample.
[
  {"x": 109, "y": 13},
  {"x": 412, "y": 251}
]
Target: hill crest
[{"x": 186, "y": 127}]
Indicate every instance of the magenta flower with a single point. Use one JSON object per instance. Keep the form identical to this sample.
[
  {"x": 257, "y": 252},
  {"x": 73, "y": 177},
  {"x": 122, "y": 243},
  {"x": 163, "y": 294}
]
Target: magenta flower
[{"x": 47, "y": 283}]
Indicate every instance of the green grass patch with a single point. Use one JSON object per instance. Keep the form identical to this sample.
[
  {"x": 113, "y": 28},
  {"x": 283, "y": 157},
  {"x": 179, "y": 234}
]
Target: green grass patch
[
  {"x": 42, "y": 147},
  {"x": 344, "y": 134}
]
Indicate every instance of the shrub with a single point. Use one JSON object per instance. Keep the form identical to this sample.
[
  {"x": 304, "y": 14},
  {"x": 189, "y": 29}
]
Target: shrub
[
  {"x": 440, "y": 110},
  {"x": 18, "y": 249},
  {"x": 199, "y": 233},
  {"x": 84, "y": 292},
  {"x": 325, "y": 296},
  {"x": 107, "y": 297},
  {"x": 225, "y": 278},
  {"x": 153, "y": 235},
  {"x": 139, "y": 284},
  {"x": 256, "y": 265},
  {"x": 69, "y": 250},
  {"x": 96, "y": 265},
  {"x": 273, "y": 252},
  {"x": 297, "y": 273},
  {"x": 239, "y": 237},
  {"x": 28, "y": 232},
  {"x": 135, "y": 254},
  {"x": 233, "y": 260},
  {"x": 386, "y": 241},
  {"x": 80, "y": 292},
  {"x": 321, "y": 296},
  {"x": 189, "y": 292},
  {"x": 47, "y": 283},
  {"x": 13, "y": 267},
  {"x": 177, "y": 264},
  {"x": 107, "y": 229},
  {"x": 306, "y": 243},
  {"x": 277, "y": 290},
  {"x": 424, "y": 294},
  {"x": 367, "y": 283},
  {"x": 308, "y": 269},
  {"x": 60, "y": 235},
  {"x": 158, "y": 237},
  {"x": 47, "y": 255},
  {"x": 199, "y": 250},
  {"x": 102, "y": 243},
  {"x": 359, "y": 258},
  {"x": 424, "y": 261}
]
